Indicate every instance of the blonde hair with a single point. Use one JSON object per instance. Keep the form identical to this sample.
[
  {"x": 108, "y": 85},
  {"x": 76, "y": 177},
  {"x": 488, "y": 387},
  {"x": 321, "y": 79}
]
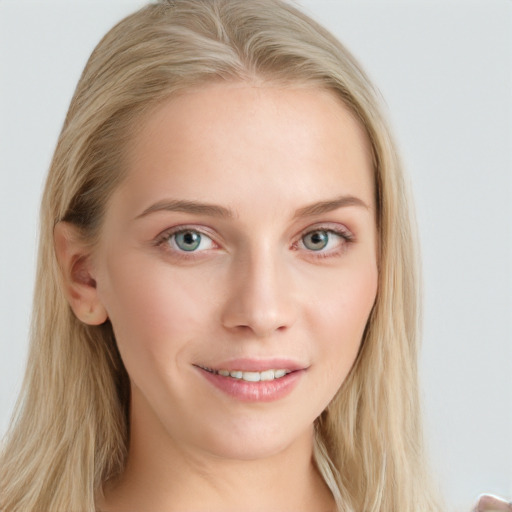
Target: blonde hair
[{"x": 70, "y": 431}]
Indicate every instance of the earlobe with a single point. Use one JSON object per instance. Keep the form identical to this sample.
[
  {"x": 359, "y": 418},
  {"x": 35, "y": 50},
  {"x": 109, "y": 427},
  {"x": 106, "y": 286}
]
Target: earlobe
[{"x": 79, "y": 285}]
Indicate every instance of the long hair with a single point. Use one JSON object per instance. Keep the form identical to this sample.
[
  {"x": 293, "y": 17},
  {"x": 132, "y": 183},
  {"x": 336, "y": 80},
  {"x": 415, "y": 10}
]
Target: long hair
[{"x": 69, "y": 434}]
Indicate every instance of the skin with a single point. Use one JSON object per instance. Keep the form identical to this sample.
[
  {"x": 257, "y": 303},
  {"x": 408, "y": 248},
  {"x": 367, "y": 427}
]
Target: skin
[
  {"x": 490, "y": 503},
  {"x": 253, "y": 289}
]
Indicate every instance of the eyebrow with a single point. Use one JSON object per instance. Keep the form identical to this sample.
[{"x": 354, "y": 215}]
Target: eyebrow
[
  {"x": 213, "y": 210},
  {"x": 175, "y": 205},
  {"x": 329, "y": 206}
]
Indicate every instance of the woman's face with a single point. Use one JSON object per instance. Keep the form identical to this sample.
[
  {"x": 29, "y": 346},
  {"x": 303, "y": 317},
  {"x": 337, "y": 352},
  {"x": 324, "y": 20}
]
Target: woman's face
[{"x": 238, "y": 265}]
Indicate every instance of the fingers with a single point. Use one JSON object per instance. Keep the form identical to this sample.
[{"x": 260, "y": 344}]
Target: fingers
[{"x": 491, "y": 503}]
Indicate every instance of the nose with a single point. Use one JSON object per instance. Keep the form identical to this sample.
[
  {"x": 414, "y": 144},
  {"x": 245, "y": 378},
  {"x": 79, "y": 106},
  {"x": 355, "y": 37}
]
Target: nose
[{"x": 261, "y": 298}]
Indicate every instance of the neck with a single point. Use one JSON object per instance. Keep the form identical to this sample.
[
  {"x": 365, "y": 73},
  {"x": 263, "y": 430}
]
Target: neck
[{"x": 163, "y": 476}]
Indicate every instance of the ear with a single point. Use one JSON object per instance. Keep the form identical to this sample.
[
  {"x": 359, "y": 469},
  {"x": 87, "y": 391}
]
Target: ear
[{"x": 75, "y": 262}]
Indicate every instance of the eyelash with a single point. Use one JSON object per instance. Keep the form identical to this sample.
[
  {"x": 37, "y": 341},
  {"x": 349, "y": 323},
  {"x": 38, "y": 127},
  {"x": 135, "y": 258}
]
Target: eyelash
[
  {"x": 346, "y": 238},
  {"x": 343, "y": 233},
  {"x": 165, "y": 237}
]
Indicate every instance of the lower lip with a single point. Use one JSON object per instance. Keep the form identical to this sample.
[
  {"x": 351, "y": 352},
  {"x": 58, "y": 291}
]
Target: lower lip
[{"x": 262, "y": 391}]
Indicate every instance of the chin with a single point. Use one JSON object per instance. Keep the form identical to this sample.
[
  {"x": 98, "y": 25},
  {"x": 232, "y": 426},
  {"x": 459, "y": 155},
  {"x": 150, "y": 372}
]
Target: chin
[{"x": 255, "y": 441}]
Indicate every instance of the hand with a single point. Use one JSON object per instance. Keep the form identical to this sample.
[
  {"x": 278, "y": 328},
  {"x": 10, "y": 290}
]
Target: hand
[{"x": 491, "y": 503}]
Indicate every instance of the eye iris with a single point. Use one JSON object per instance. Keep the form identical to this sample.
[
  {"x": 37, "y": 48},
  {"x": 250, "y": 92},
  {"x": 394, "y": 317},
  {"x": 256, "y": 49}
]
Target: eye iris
[
  {"x": 317, "y": 240},
  {"x": 188, "y": 240}
]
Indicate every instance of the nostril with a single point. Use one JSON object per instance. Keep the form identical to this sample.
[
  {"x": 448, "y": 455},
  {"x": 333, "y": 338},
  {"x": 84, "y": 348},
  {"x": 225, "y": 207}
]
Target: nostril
[{"x": 258, "y": 299}]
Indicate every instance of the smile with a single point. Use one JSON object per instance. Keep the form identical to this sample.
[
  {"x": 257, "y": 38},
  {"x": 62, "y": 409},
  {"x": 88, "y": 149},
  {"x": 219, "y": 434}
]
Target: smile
[
  {"x": 265, "y": 375},
  {"x": 252, "y": 380}
]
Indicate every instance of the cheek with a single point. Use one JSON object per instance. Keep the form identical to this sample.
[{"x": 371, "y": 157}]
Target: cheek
[
  {"x": 154, "y": 310},
  {"x": 344, "y": 301},
  {"x": 342, "y": 316}
]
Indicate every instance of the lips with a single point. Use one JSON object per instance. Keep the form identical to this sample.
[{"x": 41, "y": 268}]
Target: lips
[{"x": 252, "y": 380}]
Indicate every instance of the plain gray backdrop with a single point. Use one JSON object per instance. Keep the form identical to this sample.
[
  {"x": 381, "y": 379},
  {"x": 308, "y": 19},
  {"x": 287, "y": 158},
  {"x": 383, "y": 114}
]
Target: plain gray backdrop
[{"x": 445, "y": 71}]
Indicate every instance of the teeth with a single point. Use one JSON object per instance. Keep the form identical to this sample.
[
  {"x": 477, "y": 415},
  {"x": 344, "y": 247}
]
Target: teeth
[
  {"x": 250, "y": 376},
  {"x": 270, "y": 374}
]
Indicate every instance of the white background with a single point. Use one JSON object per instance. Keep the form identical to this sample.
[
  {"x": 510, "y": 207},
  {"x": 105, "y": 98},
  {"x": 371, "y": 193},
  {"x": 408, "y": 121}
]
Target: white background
[{"x": 445, "y": 71}]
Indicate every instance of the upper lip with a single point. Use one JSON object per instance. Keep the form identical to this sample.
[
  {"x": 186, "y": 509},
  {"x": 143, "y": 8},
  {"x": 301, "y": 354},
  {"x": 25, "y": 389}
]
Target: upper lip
[{"x": 256, "y": 365}]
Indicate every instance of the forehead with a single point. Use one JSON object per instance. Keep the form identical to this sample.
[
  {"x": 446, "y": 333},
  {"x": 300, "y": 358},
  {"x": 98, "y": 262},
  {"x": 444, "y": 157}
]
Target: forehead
[{"x": 298, "y": 142}]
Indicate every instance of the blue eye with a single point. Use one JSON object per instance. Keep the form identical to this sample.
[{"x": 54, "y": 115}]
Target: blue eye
[
  {"x": 316, "y": 240},
  {"x": 190, "y": 241},
  {"x": 325, "y": 240}
]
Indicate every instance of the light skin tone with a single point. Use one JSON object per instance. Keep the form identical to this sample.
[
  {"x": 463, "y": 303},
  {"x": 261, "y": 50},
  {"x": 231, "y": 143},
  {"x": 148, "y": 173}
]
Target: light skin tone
[{"x": 244, "y": 231}]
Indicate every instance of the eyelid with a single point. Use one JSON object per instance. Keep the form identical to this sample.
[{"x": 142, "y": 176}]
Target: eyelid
[
  {"x": 338, "y": 229},
  {"x": 166, "y": 235},
  {"x": 332, "y": 227}
]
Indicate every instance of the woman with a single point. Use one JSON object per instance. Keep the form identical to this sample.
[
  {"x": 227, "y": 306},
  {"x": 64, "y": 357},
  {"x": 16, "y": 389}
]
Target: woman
[{"x": 227, "y": 300}]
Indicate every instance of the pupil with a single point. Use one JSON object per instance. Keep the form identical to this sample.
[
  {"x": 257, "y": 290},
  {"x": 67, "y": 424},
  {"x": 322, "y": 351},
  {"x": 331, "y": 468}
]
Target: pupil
[
  {"x": 188, "y": 241},
  {"x": 189, "y": 238},
  {"x": 317, "y": 240}
]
